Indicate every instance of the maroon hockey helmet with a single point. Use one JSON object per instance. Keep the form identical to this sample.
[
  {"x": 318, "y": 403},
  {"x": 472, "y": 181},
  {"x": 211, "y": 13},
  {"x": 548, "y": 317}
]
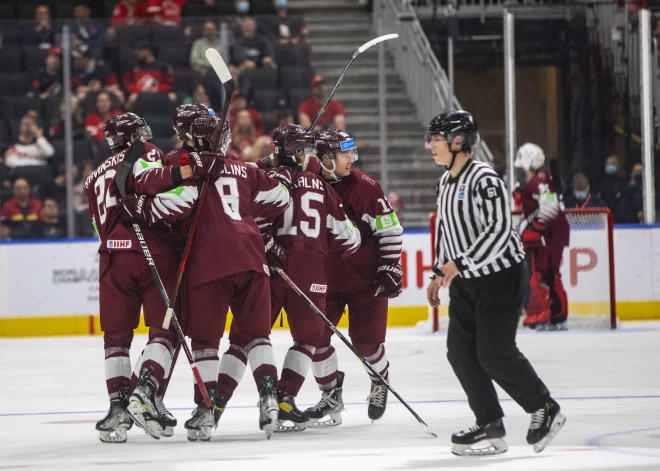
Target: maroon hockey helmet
[
  {"x": 185, "y": 115},
  {"x": 331, "y": 143},
  {"x": 205, "y": 136},
  {"x": 293, "y": 145},
  {"x": 122, "y": 130}
]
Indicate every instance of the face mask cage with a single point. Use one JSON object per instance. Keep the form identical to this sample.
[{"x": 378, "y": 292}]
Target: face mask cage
[{"x": 144, "y": 133}]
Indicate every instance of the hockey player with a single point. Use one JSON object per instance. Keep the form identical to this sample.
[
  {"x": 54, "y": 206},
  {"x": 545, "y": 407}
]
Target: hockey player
[
  {"x": 226, "y": 267},
  {"x": 544, "y": 232},
  {"x": 125, "y": 282},
  {"x": 363, "y": 282}
]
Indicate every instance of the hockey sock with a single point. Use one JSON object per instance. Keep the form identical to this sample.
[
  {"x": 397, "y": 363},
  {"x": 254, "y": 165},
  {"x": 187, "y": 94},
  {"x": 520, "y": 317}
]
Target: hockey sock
[
  {"x": 262, "y": 359},
  {"x": 325, "y": 367},
  {"x": 157, "y": 355},
  {"x": 296, "y": 365},
  {"x": 117, "y": 361},
  {"x": 232, "y": 368},
  {"x": 375, "y": 355},
  {"x": 205, "y": 354}
]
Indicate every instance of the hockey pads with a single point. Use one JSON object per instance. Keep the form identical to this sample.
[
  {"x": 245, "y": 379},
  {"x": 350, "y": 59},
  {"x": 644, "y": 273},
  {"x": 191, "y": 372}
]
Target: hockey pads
[
  {"x": 532, "y": 236},
  {"x": 388, "y": 280},
  {"x": 133, "y": 208},
  {"x": 275, "y": 255},
  {"x": 206, "y": 164},
  {"x": 286, "y": 175}
]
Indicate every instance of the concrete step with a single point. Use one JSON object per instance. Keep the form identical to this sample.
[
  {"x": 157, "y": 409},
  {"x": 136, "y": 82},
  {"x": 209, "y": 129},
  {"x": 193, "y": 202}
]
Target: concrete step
[
  {"x": 356, "y": 28},
  {"x": 339, "y": 38},
  {"x": 354, "y": 88},
  {"x": 356, "y": 126},
  {"x": 408, "y": 109},
  {"x": 356, "y": 102},
  {"x": 336, "y": 19},
  {"x": 368, "y": 60}
]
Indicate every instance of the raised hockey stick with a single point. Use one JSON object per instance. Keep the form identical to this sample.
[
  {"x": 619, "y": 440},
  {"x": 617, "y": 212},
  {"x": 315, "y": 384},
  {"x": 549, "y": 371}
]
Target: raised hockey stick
[
  {"x": 334, "y": 329},
  {"x": 359, "y": 51},
  {"x": 132, "y": 154},
  {"x": 223, "y": 74}
]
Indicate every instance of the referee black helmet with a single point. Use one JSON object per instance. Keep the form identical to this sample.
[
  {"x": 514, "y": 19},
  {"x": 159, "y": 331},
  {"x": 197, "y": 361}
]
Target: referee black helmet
[{"x": 457, "y": 126}]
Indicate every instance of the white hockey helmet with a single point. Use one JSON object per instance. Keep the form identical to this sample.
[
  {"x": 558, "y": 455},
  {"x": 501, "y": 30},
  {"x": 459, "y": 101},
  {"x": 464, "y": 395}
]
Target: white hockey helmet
[{"x": 529, "y": 157}]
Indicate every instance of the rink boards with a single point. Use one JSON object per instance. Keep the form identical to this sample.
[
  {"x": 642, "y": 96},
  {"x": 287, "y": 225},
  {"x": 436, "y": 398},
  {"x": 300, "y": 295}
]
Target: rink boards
[{"x": 52, "y": 288}]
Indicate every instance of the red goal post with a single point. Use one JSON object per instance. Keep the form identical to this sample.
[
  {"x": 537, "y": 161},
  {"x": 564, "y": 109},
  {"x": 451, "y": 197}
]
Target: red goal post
[{"x": 587, "y": 269}]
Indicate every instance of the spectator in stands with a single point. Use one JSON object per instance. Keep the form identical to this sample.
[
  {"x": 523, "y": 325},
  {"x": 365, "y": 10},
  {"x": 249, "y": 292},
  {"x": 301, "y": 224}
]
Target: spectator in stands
[
  {"x": 239, "y": 103},
  {"x": 41, "y": 34},
  {"x": 209, "y": 39},
  {"x": 243, "y": 133},
  {"x": 129, "y": 13},
  {"x": 284, "y": 116},
  {"x": 86, "y": 30},
  {"x": 197, "y": 94},
  {"x": 48, "y": 79},
  {"x": 80, "y": 204},
  {"x": 23, "y": 212},
  {"x": 252, "y": 49},
  {"x": 334, "y": 116},
  {"x": 52, "y": 227},
  {"x": 580, "y": 196},
  {"x": 262, "y": 147},
  {"x": 149, "y": 75},
  {"x": 56, "y": 128},
  {"x": 90, "y": 75},
  {"x": 95, "y": 120},
  {"x": 285, "y": 28},
  {"x": 633, "y": 197},
  {"x": 31, "y": 148},
  {"x": 612, "y": 185},
  {"x": 165, "y": 12}
]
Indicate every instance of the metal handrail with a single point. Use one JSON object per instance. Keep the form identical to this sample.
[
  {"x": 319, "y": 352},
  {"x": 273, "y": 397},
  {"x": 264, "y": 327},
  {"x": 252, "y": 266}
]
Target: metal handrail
[{"x": 426, "y": 81}]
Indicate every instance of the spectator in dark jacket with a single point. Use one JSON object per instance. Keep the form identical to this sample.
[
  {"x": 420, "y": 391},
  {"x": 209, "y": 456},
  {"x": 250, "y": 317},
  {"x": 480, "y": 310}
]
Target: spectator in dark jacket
[
  {"x": 86, "y": 30},
  {"x": 52, "y": 226},
  {"x": 580, "y": 196},
  {"x": 252, "y": 49},
  {"x": 633, "y": 197},
  {"x": 41, "y": 33},
  {"x": 284, "y": 28},
  {"x": 612, "y": 185},
  {"x": 91, "y": 75},
  {"x": 48, "y": 80}
]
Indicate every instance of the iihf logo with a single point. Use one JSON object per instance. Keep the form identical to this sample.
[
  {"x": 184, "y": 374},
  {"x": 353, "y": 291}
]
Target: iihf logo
[{"x": 461, "y": 192}]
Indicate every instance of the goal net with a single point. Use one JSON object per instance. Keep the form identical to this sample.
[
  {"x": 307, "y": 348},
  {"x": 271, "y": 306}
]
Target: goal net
[{"x": 587, "y": 271}]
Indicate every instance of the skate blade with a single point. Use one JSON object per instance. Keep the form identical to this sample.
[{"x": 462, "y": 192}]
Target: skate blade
[
  {"x": 168, "y": 432},
  {"x": 497, "y": 446},
  {"x": 269, "y": 427},
  {"x": 282, "y": 426},
  {"x": 556, "y": 426},
  {"x": 117, "y": 435},
  {"x": 144, "y": 419},
  {"x": 203, "y": 434},
  {"x": 332, "y": 421}
]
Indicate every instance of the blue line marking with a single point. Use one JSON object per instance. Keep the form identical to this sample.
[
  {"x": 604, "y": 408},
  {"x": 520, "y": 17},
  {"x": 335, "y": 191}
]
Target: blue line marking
[{"x": 595, "y": 441}]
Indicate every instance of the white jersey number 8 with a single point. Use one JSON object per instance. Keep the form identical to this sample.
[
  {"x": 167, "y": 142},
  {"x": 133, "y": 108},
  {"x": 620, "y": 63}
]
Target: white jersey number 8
[{"x": 231, "y": 198}]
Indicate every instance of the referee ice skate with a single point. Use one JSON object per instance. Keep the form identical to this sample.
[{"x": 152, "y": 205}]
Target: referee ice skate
[{"x": 481, "y": 260}]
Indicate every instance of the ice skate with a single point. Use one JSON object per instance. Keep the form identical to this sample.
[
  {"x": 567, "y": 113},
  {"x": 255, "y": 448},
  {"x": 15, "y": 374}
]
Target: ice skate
[
  {"x": 268, "y": 407},
  {"x": 290, "y": 414},
  {"x": 142, "y": 406},
  {"x": 168, "y": 418},
  {"x": 546, "y": 423},
  {"x": 112, "y": 428},
  {"x": 542, "y": 327},
  {"x": 331, "y": 405},
  {"x": 204, "y": 419},
  {"x": 377, "y": 400},
  {"x": 493, "y": 433},
  {"x": 559, "y": 326}
]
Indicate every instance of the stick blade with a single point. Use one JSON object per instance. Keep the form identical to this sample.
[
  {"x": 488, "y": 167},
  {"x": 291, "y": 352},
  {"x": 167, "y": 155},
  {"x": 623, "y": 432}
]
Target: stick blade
[
  {"x": 218, "y": 64},
  {"x": 427, "y": 430},
  {"x": 379, "y": 39}
]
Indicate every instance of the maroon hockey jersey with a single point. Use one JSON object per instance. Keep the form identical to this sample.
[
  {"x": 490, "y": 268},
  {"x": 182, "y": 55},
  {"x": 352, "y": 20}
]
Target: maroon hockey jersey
[
  {"x": 314, "y": 220},
  {"x": 381, "y": 233},
  {"x": 227, "y": 240},
  {"x": 148, "y": 177},
  {"x": 541, "y": 202}
]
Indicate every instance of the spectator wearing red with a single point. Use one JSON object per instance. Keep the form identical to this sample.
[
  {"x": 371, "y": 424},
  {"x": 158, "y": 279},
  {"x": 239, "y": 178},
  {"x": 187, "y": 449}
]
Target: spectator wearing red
[
  {"x": 41, "y": 34},
  {"x": 129, "y": 13},
  {"x": 334, "y": 116},
  {"x": 165, "y": 12},
  {"x": 22, "y": 213},
  {"x": 240, "y": 103},
  {"x": 31, "y": 148},
  {"x": 149, "y": 75},
  {"x": 243, "y": 134},
  {"x": 48, "y": 79},
  {"x": 91, "y": 75},
  {"x": 95, "y": 120},
  {"x": 251, "y": 49}
]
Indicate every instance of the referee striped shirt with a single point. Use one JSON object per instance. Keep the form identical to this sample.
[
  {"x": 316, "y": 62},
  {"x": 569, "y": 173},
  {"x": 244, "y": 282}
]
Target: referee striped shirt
[{"x": 475, "y": 228}]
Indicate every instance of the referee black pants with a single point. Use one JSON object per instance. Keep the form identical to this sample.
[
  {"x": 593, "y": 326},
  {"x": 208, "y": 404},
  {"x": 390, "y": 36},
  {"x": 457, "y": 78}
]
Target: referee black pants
[{"x": 481, "y": 343}]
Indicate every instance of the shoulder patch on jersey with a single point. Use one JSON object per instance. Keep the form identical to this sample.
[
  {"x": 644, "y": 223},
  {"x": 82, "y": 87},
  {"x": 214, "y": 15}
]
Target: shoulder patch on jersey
[
  {"x": 490, "y": 192},
  {"x": 367, "y": 178}
]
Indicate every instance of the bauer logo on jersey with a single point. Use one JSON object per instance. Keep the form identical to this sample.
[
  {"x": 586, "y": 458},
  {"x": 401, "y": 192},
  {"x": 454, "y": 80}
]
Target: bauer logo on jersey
[
  {"x": 461, "y": 192},
  {"x": 318, "y": 288},
  {"x": 119, "y": 244},
  {"x": 348, "y": 145}
]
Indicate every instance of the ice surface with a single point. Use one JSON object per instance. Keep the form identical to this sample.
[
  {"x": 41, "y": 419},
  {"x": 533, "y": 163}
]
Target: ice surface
[{"x": 52, "y": 391}]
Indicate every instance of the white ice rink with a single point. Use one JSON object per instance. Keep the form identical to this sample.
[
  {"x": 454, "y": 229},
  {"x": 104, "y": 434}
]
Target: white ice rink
[{"x": 52, "y": 391}]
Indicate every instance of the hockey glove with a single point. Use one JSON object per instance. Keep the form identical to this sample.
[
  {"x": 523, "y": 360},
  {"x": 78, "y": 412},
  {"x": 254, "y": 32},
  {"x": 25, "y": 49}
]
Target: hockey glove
[
  {"x": 532, "y": 236},
  {"x": 388, "y": 281},
  {"x": 133, "y": 208},
  {"x": 286, "y": 175},
  {"x": 206, "y": 164},
  {"x": 275, "y": 256}
]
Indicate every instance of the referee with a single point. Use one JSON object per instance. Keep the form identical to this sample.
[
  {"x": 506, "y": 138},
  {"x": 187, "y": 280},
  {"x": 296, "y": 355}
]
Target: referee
[{"x": 481, "y": 260}]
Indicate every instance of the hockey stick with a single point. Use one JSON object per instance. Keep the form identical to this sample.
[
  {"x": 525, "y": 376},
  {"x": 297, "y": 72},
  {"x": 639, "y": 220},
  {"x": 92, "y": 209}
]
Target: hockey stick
[
  {"x": 132, "y": 154},
  {"x": 334, "y": 329},
  {"x": 360, "y": 50},
  {"x": 222, "y": 71}
]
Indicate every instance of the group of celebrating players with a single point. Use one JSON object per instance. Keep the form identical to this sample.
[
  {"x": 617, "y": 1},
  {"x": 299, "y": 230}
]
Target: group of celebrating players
[{"x": 302, "y": 210}]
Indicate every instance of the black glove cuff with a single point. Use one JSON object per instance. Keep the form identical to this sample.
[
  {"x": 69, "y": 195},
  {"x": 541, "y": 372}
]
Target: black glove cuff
[{"x": 176, "y": 175}]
